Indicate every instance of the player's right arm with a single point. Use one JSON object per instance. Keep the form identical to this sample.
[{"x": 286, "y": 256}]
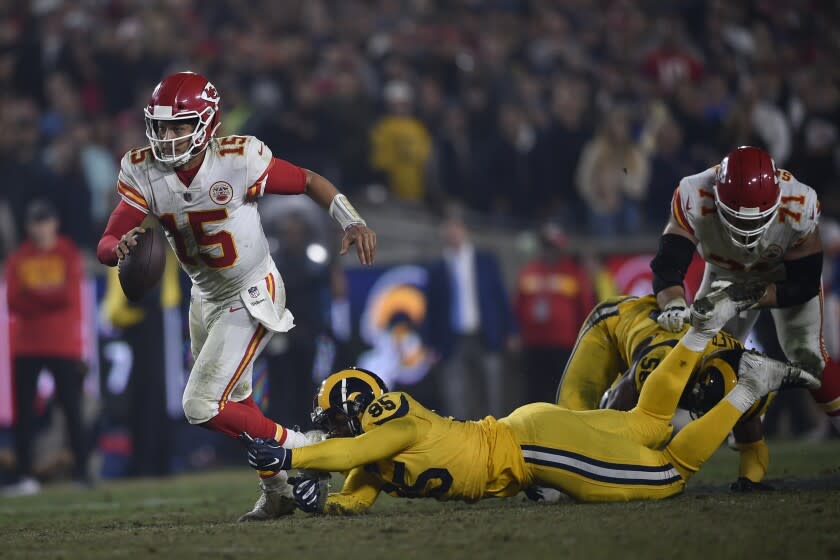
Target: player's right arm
[
  {"x": 120, "y": 234},
  {"x": 124, "y": 222},
  {"x": 676, "y": 249}
]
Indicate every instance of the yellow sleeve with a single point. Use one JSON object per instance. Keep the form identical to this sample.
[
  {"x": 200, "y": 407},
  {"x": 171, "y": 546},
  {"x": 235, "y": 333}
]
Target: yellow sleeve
[
  {"x": 359, "y": 492},
  {"x": 344, "y": 454}
]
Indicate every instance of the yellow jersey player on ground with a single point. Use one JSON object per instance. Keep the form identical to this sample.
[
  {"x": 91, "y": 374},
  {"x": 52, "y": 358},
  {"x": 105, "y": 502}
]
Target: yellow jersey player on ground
[
  {"x": 404, "y": 449},
  {"x": 204, "y": 190},
  {"x": 622, "y": 336}
]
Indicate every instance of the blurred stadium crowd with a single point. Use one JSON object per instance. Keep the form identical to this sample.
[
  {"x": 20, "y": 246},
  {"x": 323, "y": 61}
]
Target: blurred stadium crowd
[
  {"x": 520, "y": 108},
  {"x": 585, "y": 113}
]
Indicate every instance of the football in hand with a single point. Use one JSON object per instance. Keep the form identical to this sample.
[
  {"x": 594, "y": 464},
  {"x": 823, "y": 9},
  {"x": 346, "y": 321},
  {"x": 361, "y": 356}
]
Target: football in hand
[{"x": 141, "y": 270}]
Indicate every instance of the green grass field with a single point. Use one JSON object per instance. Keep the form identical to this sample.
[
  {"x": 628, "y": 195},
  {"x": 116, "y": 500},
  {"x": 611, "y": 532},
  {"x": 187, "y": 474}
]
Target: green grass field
[{"x": 194, "y": 517}]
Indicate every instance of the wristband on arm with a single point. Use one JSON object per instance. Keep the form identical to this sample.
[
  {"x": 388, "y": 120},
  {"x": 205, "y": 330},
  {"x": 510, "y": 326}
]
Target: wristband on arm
[{"x": 343, "y": 212}]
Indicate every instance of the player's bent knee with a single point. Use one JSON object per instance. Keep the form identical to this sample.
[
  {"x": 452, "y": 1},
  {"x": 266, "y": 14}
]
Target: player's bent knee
[
  {"x": 199, "y": 411},
  {"x": 808, "y": 360}
]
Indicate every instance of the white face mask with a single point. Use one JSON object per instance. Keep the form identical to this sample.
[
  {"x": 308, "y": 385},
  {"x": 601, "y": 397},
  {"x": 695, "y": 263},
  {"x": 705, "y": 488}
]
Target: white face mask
[
  {"x": 167, "y": 150},
  {"x": 746, "y": 226}
]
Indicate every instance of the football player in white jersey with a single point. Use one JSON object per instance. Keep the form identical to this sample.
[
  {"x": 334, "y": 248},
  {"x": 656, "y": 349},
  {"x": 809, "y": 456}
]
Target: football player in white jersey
[
  {"x": 204, "y": 190},
  {"x": 748, "y": 219}
]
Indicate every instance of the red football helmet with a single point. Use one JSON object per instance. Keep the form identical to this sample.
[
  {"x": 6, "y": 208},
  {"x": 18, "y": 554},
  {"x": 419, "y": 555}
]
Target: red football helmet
[
  {"x": 747, "y": 194},
  {"x": 182, "y": 96}
]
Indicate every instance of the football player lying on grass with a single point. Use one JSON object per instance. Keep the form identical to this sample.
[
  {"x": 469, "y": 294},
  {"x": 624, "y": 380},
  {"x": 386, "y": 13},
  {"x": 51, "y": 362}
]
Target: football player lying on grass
[
  {"x": 401, "y": 448},
  {"x": 622, "y": 334}
]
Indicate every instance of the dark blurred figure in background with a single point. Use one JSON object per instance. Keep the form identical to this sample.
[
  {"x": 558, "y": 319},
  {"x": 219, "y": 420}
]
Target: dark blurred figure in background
[
  {"x": 509, "y": 178},
  {"x": 554, "y": 294},
  {"x": 560, "y": 146},
  {"x": 307, "y": 268},
  {"x": 670, "y": 162},
  {"x": 24, "y": 176},
  {"x": 141, "y": 406},
  {"x": 470, "y": 323},
  {"x": 44, "y": 294},
  {"x": 612, "y": 177}
]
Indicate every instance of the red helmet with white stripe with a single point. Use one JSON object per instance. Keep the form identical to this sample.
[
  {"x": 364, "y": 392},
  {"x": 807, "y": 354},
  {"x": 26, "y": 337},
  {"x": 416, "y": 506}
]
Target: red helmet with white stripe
[
  {"x": 747, "y": 194},
  {"x": 183, "y": 96}
]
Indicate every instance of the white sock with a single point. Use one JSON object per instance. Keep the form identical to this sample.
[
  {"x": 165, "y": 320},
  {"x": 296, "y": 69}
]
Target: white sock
[
  {"x": 294, "y": 439},
  {"x": 741, "y": 397},
  {"x": 695, "y": 340}
]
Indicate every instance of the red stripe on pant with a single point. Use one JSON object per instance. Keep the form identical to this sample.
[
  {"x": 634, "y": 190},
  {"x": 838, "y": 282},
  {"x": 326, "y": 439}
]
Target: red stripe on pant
[{"x": 237, "y": 417}]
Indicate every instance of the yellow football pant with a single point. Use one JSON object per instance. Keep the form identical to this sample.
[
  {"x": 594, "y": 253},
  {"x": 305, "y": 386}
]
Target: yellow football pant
[
  {"x": 594, "y": 364},
  {"x": 609, "y": 455}
]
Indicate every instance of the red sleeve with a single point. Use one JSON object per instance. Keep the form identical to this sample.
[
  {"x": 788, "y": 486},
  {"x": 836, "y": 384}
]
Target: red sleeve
[
  {"x": 122, "y": 220},
  {"x": 283, "y": 177}
]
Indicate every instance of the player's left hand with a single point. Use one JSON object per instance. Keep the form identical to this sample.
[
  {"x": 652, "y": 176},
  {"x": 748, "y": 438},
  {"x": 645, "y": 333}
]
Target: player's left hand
[
  {"x": 365, "y": 240},
  {"x": 744, "y": 484},
  {"x": 310, "y": 492}
]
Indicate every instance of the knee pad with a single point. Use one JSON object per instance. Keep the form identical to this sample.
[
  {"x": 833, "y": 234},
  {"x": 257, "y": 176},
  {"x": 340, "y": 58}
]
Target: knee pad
[{"x": 199, "y": 411}]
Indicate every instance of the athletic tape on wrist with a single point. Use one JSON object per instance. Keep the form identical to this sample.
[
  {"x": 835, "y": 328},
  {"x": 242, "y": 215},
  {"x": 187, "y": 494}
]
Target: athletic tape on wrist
[{"x": 343, "y": 212}]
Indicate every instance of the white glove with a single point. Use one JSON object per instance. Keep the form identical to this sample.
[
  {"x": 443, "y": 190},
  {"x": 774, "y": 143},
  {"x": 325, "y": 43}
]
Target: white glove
[
  {"x": 673, "y": 315},
  {"x": 314, "y": 436}
]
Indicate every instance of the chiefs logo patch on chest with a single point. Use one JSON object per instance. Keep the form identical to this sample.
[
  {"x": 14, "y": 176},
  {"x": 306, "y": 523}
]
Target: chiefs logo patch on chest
[
  {"x": 221, "y": 193},
  {"x": 772, "y": 252}
]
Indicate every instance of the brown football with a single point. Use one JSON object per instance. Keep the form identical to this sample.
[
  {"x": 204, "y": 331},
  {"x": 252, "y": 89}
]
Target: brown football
[{"x": 141, "y": 270}]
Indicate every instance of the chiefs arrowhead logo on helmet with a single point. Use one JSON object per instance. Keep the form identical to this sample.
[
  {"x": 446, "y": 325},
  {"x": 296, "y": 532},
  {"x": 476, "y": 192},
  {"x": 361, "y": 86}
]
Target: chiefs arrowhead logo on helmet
[
  {"x": 183, "y": 96},
  {"x": 210, "y": 93}
]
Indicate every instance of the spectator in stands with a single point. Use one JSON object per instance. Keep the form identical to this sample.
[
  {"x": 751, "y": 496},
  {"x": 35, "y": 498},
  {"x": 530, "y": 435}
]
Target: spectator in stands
[
  {"x": 24, "y": 176},
  {"x": 612, "y": 177},
  {"x": 560, "y": 146},
  {"x": 673, "y": 60},
  {"x": 670, "y": 162},
  {"x": 509, "y": 178},
  {"x": 470, "y": 323},
  {"x": 69, "y": 191},
  {"x": 755, "y": 121},
  {"x": 817, "y": 137},
  {"x": 43, "y": 280},
  {"x": 350, "y": 112},
  {"x": 401, "y": 146},
  {"x": 554, "y": 294}
]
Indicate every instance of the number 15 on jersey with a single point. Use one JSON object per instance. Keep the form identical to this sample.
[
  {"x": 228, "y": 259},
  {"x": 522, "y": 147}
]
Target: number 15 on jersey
[{"x": 216, "y": 250}]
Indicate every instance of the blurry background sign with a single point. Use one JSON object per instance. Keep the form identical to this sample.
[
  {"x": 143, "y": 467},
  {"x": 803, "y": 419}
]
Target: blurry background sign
[{"x": 389, "y": 306}]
